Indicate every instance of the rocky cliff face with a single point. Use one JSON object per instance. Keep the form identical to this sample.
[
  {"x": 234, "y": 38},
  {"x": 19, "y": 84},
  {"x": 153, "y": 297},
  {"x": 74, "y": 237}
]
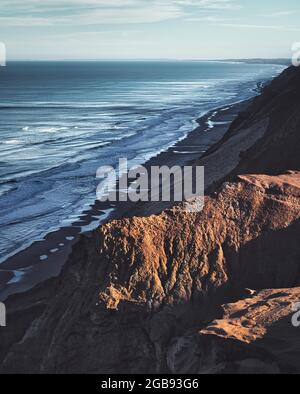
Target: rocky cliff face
[
  {"x": 122, "y": 300},
  {"x": 145, "y": 294}
]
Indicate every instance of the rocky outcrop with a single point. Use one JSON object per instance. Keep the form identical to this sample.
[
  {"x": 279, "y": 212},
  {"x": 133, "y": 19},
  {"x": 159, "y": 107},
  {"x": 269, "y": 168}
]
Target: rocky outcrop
[
  {"x": 122, "y": 300},
  {"x": 237, "y": 241},
  {"x": 254, "y": 335}
]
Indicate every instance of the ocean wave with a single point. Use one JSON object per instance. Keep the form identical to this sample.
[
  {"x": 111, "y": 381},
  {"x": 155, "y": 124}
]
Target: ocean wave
[
  {"x": 64, "y": 106},
  {"x": 45, "y": 129},
  {"x": 12, "y": 142}
]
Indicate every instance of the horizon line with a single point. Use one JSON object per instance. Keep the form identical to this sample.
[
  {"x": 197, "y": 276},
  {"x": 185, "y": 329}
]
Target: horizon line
[{"x": 144, "y": 59}]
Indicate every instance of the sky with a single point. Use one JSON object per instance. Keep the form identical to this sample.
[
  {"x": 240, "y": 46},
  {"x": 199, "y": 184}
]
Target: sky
[{"x": 148, "y": 29}]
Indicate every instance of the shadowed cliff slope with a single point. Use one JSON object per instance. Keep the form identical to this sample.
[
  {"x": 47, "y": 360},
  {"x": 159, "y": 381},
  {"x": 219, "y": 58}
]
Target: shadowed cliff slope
[{"x": 278, "y": 149}]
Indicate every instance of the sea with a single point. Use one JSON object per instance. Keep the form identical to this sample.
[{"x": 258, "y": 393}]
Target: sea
[{"x": 60, "y": 121}]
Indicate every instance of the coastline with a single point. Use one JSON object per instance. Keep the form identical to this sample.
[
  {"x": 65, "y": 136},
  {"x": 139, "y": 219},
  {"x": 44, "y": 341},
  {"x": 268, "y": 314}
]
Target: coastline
[
  {"x": 156, "y": 288},
  {"x": 29, "y": 267}
]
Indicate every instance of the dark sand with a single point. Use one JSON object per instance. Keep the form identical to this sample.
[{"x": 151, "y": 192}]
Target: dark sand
[{"x": 31, "y": 269}]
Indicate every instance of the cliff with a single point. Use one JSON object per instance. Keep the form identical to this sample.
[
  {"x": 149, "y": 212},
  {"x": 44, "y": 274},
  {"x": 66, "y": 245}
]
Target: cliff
[
  {"x": 254, "y": 335},
  {"x": 147, "y": 294},
  {"x": 278, "y": 109}
]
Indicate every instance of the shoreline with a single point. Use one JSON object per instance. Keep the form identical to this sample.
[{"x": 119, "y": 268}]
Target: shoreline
[
  {"x": 167, "y": 293},
  {"x": 45, "y": 258}
]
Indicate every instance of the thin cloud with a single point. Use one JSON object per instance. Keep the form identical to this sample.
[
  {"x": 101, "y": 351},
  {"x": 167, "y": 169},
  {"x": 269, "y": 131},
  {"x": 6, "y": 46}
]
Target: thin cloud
[
  {"x": 279, "y": 13},
  {"x": 209, "y": 4},
  {"x": 250, "y": 26},
  {"x": 210, "y": 19},
  {"x": 89, "y": 12}
]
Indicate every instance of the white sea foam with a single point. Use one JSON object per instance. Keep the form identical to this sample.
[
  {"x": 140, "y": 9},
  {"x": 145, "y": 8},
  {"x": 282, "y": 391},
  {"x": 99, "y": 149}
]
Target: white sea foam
[{"x": 12, "y": 142}]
